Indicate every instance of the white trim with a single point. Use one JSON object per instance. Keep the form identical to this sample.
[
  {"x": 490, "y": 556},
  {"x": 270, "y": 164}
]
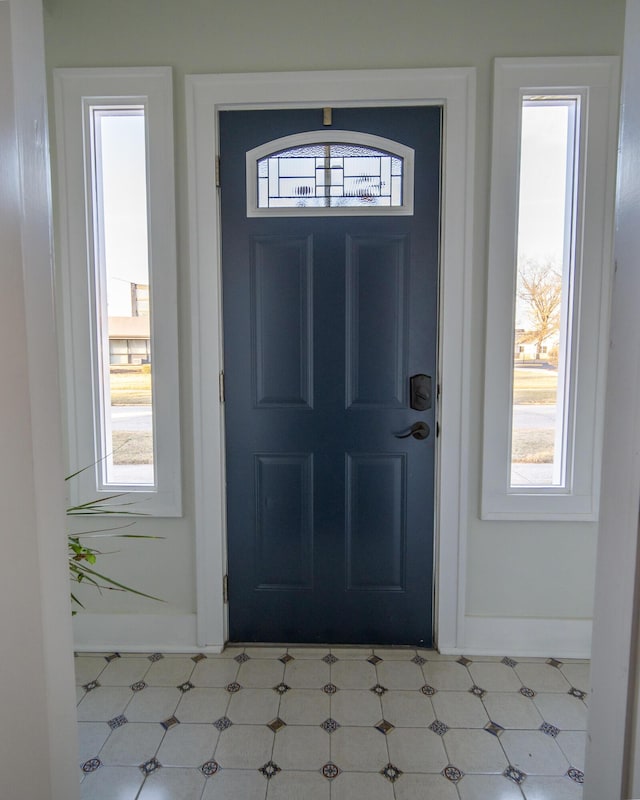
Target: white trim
[
  {"x": 612, "y": 753},
  {"x": 511, "y": 636},
  {"x": 454, "y": 89},
  {"x": 337, "y": 137},
  {"x": 76, "y": 91},
  {"x": 137, "y": 633},
  {"x": 50, "y": 568},
  {"x": 595, "y": 81}
]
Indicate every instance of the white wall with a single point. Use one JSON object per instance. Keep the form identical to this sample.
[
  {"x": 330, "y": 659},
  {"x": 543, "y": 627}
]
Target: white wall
[
  {"x": 614, "y": 720},
  {"x": 38, "y": 748},
  {"x": 515, "y": 570}
]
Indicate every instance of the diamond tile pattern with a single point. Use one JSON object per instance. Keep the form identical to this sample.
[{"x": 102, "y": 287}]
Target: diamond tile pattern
[
  {"x": 395, "y": 722},
  {"x": 549, "y": 729},
  {"x": 330, "y": 725},
  {"x": 391, "y": 772},
  {"x": 269, "y": 770},
  {"x": 150, "y": 766},
  {"x": 439, "y": 727}
]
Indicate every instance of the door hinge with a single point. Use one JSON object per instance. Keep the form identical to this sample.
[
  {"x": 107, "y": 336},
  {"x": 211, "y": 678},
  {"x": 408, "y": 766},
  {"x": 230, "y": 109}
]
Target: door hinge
[
  {"x": 221, "y": 385},
  {"x": 225, "y": 589},
  {"x": 437, "y": 429},
  {"x": 217, "y": 172}
]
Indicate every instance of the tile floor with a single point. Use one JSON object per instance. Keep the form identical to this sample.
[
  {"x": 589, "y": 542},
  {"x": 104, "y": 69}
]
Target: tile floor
[{"x": 278, "y": 723}]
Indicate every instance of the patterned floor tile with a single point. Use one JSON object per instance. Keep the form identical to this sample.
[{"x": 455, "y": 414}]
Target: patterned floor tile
[
  {"x": 483, "y": 787},
  {"x": 362, "y": 786},
  {"x": 414, "y": 786},
  {"x": 242, "y": 744},
  {"x": 88, "y": 668},
  {"x": 307, "y": 674},
  {"x": 132, "y": 744},
  {"x": 408, "y": 709},
  {"x": 565, "y": 712},
  {"x": 109, "y": 782},
  {"x": 400, "y": 675},
  {"x": 185, "y": 783},
  {"x": 512, "y": 710},
  {"x": 460, "y": 709},
  {"x": 475, "y": 751},
  {"x": 154, "y": 704},
  {"x": 188, "y": 745},
  {"x": 215, "y": 673},
  {"x": 447, "y": 676},
  {"x": 353, "y": 674},
  {"x": 254, "y": 706},
  {"x": 394, "y": 653},
  {"x": 91, "y": 737},
  {"x": 261, "y": 673},
  {"x": 573, "y": 744},
  {"x": 416, "y": 750},
  {"x": 495, "y": 677},
  {"x": 169, "y": 671},
  {"x": 542, "y": 677},
  {"x": 537, "y": 787},
  {"x": 295, "y": 785},
  {"x": 304, "y": 707},
  {"x": 359, "y": 749},
  {"x": 301, "y": 747},
  {"x": 245, "y": 747},
  {"x": 234, "y": 784},
  {"x": 104, "y": 703},
  {"x": 352, "y": 653},
  {"x": 534, "y": 753},
  {"x": 202, "y": 705},
  {"x": 124, "y": 671},
  {"x": 356, "y": 707}
]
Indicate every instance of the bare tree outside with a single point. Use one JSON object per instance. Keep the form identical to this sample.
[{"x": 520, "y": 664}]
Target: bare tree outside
[{"x": 540, "y": 293}]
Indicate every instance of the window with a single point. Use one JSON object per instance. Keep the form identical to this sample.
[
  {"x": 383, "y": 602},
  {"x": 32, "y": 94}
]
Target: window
[
  {"x": 550, "y": 262},
  {"x": 354, "y": 173},
  {"x": 117, "y": 248}
]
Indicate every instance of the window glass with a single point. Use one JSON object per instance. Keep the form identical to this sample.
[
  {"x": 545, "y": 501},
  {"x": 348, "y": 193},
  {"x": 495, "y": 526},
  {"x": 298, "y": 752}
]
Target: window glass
[
  {"x": 330, "y": 175},
  {"x": 545, "y": 259},
  {"x": 123, "y": 313}
]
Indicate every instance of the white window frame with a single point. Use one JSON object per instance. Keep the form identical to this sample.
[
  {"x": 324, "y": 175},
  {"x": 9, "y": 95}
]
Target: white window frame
[
  {"x": 76, "y": 92},
  {"x": 595, "y": 81},
  {"x": 407, "y": 154}
]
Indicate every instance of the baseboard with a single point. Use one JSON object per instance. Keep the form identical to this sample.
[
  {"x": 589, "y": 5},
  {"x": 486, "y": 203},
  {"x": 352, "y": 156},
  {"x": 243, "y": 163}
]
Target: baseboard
[
  {"x": 138, "y": 633},
  {"x": 509, "y": 636}
]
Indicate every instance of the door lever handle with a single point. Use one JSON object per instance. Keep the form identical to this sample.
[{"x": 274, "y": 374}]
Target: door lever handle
[{"x": 419, "y": 430}]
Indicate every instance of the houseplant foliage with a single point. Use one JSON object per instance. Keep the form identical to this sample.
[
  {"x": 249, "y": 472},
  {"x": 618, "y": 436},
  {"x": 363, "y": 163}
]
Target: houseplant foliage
[{"x": 83, "y": 555}]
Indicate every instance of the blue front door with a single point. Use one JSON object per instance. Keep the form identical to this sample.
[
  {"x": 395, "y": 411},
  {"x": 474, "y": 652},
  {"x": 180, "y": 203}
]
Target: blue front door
[{"x": 326, "y": 319}]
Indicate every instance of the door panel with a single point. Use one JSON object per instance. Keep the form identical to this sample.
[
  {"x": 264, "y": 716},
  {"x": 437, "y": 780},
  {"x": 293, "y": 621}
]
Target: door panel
[
  {"x": 282, "y": 277},
  {"x": 330, "y": 515},
  {"x": 376, "y": 320}
]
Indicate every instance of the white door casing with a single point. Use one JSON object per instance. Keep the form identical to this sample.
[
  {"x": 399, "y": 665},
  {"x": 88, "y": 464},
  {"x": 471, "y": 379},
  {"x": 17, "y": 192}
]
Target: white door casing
[{"x": 454, "y": 89}]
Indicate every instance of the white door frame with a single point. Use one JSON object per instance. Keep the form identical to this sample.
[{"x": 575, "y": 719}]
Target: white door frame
[{"x": 454, "y": 89}]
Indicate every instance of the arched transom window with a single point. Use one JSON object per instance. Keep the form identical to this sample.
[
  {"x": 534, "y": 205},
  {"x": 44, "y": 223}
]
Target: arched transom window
[{"x": 311, "y": 174}]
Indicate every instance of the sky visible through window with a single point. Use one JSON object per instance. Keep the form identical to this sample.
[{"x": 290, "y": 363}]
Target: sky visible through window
[
  {"x": 543, "y": 255},
  {"x": 126, "y": 355}
]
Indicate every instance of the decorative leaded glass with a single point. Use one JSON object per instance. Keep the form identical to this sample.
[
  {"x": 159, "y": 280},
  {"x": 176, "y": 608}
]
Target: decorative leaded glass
[{"x": 330, "y": 175}]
